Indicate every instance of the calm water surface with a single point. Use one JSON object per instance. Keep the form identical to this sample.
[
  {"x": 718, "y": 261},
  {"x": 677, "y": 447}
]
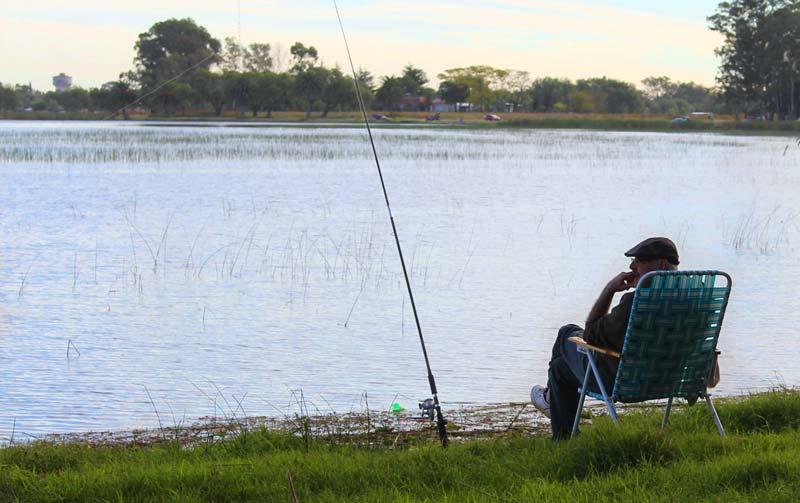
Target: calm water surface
[{"x": 203, "y": 271}]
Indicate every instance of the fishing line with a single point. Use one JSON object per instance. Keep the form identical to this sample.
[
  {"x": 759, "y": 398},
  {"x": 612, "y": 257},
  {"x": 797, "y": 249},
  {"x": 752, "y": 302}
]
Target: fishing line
[{"x": 440, "y": 421}]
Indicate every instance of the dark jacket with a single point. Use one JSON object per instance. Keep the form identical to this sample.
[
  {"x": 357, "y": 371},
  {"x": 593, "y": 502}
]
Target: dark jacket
[{"x": 608, "y": 332}]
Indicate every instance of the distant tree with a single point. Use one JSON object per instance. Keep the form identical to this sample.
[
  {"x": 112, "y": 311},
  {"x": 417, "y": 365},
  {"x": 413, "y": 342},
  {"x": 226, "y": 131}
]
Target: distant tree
[
  {"x": 759, "y": 56},
  {"x": 9, "y": 99},
  {"x": 578, "y": 101},
  {"x": 309, "y": 86},
  {"x": 548, "y": 92},
  {"x": 366, "y": 79},
  {"x": 612, "y": 96},
  {"x": 172, "y": 98},
  {"x": 25, "y": 93},
  {"x": 231, "y": 58},
  {"x": 413, "y": 79},
  {"x": 781, "y": 33},
  {"x": 366, "y": 85},
  {"x": 657, "y": 87},
  {"x": 303, "y": 57},
  {"x": 481, "y": 80},
  {"x": 257, "y": 58},
  {"x": 237, "y": 88},
  {"x": 665, "y": 96},
  {"x": 266, "y": 91},
  {"x": 309, "y": 79},
  {"x": 338, "y": 92},
  {"x": 517, "y": 83},
  {"x": 169, "y": 49},
  {"x": 453, "y": 93},
  {"x": 113, "y": 96},
  {"x": 210, "y": 88},
  {"x": 73, "y": 99},
  {"x": 46, "y": 102},
  {"x": 390, "y": 93},
  {"x": 277, "y": 87}
]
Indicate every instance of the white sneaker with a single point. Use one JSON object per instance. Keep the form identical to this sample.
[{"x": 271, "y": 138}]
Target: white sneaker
[{"x": 540, "y": 397}]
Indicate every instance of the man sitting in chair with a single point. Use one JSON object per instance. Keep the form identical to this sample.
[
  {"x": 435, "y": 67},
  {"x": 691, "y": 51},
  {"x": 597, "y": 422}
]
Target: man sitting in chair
[{"x": 559, "y": 400}]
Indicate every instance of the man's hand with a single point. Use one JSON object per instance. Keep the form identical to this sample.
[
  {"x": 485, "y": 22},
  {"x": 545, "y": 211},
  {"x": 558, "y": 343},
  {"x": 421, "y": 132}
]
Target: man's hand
[{"x": 623, "y": 281}]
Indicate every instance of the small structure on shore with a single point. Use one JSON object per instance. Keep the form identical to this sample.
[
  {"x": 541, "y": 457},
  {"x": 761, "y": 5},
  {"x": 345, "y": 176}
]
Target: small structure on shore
[{"x": 62, "y": 82}]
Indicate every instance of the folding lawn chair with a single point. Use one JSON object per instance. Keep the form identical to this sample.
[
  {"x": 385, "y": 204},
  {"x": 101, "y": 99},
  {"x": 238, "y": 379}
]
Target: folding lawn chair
[{"x": 670, "y": 344}]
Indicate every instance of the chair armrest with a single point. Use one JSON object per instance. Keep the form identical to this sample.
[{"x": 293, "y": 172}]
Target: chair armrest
[{"x": 583, "y": 343}]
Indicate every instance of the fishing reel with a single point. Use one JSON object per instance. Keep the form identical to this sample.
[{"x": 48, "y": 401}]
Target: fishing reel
[{"x": 427, "y": 408}]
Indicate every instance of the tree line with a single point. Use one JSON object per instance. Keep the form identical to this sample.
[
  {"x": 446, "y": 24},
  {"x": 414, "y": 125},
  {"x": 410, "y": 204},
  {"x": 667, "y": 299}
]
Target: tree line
[{"x": 181, "y": 69}]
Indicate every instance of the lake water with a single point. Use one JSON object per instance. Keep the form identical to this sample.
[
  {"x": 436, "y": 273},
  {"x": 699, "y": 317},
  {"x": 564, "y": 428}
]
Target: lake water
[{"x": 217, "y": 271}]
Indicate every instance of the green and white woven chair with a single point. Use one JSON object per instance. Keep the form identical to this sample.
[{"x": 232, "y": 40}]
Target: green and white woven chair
[{"x": 670, "y": 344}]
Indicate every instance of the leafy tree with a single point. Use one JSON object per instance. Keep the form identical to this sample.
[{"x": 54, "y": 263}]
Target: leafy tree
[
  {"x": 612, "y": 96},
  {"x": 266, "y": 91},
  {"x": 413, "y": 80},
  {"x": 758, "y": 69},
  {"x": 453, "y": 93},
  {"x": 390, "y": 93},
  {"x": 657, "y": 87},
  {"x": 480, "y": 79},
  {"x": 46, "y": 102},
  {"x": 276, "y": 90},
  {"x": 338, "y": 92},
  {"x": 548, "y": 92},
  {"x": 170, "y": 48},
  {"x": 257, "y": 58},
  {"x": 309, "y": 79},
  {"x": 231, "y": 58},
  {"x": 781, "y": 35},
  {"x": 210, "y": 88},
  {"x": 113, "y": 96},
  {"x": 677, "y": 98},
  {"x": 9, "y": 99},
  {"x": 518, "y": 82},
  {"x": 237, "y": 88},
  {"x": 25, "y": 93},
  {"x": 579, "y": 101},
  {"x": 172, "y": 97},
  {"x": 303, "y": 58},
  {"x": 309, "y": 86},
  {"x": 366, "y": 79},
  {"x": 73, "y": 99}
]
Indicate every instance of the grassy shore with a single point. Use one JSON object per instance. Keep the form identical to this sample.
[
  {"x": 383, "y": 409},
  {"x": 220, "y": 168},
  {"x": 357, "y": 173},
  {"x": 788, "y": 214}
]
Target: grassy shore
[
  {"x": 618, "y": 122},
  {"x": 758, "y": 461}
]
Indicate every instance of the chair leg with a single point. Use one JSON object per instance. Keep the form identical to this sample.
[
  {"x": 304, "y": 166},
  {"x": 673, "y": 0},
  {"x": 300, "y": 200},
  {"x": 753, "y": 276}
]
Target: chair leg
[
  {"x": 612, "y": 411},
  {"x": 580, "y": 404},
  {"x": 715, "y": 415},
  {"x": 666, "y": 413}
]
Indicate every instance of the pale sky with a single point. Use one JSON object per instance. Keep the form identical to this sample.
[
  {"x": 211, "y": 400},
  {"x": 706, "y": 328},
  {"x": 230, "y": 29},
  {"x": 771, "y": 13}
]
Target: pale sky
[{"x": 92, "y": 40}]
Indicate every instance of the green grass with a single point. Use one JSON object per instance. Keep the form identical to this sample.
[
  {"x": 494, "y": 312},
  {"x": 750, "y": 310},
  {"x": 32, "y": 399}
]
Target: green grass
[{"x": 636, "y": 462}]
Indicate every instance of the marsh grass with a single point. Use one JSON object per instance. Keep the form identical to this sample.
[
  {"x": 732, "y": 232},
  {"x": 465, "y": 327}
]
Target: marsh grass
[
  {"x": 634, "y": 462},
  {"x": 762, "y": 233}
]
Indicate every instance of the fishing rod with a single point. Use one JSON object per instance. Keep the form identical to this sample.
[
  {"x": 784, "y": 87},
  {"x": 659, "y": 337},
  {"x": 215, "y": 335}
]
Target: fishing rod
[{"x": 440, "y": 421}]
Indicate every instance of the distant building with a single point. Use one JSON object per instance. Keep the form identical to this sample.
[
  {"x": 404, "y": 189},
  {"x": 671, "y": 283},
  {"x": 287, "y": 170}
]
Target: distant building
[
  {"x": 62, "y": 82},
  {"x": 439, "y": 105}
]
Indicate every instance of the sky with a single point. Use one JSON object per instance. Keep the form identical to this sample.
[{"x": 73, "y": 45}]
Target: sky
[{"x": 92, "y": 40}]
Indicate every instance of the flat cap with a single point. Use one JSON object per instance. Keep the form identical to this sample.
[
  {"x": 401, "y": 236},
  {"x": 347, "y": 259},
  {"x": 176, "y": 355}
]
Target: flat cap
[{"x": 655, "y": 248}]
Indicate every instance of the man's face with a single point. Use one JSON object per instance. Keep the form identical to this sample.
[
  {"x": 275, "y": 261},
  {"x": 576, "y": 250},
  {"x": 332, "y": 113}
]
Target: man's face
[{"x": 642, "y": 267}]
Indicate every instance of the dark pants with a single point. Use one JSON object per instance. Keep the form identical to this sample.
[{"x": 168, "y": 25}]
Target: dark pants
[{"x": 564, "y": 378}]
